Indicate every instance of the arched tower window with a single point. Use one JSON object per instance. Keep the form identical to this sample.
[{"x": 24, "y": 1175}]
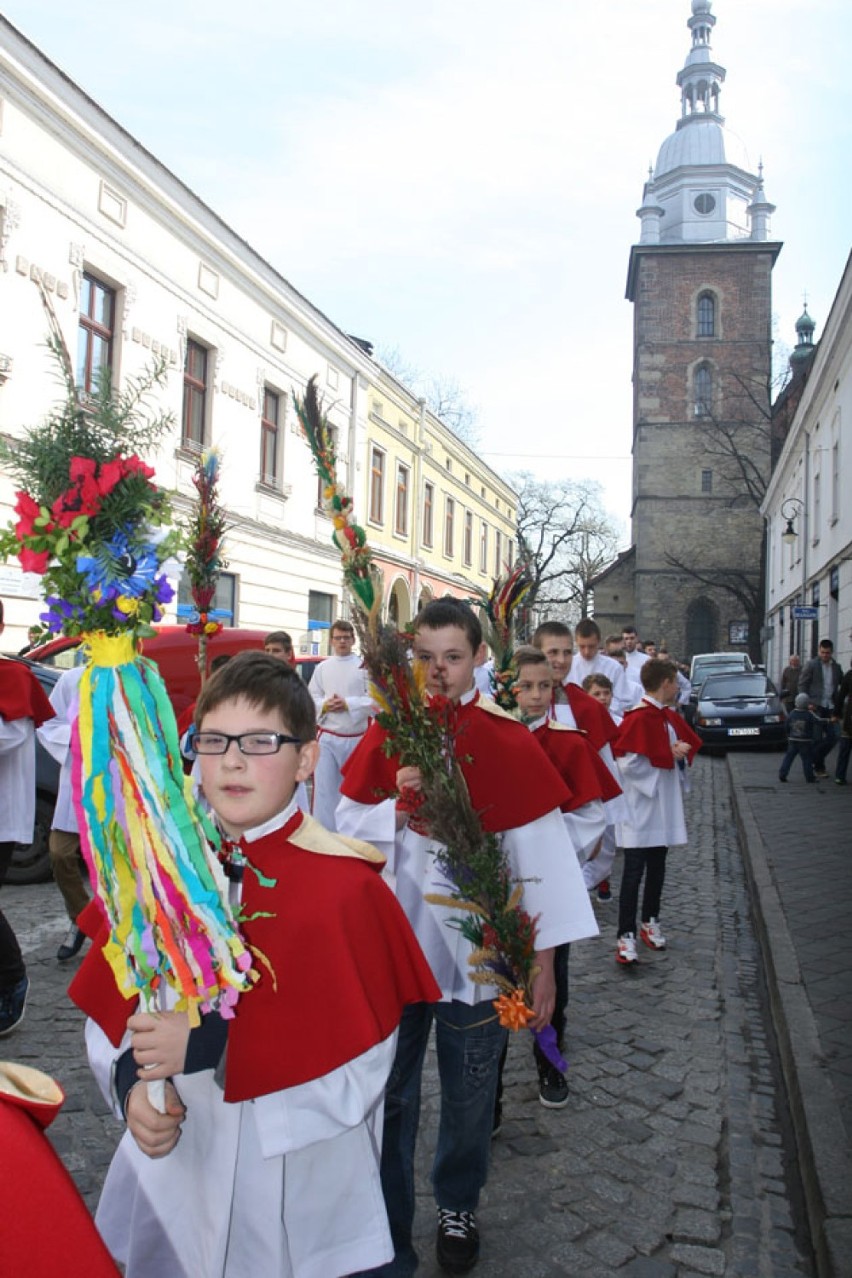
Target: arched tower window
[
  {"x": 706, "y": 326},
  {"x": 703, "y": 391}
]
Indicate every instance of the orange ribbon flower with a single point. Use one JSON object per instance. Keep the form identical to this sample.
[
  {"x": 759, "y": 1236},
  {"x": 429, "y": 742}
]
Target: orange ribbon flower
[{"x": 512, "y": 1010}]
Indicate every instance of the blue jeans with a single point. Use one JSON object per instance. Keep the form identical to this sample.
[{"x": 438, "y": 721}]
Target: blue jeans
[
  {"x": 843, "y": 752},
  {"x": 803, "y": 750},
  {"x": 830, "y": 737},
  {"x": 469, "y": 1041}
]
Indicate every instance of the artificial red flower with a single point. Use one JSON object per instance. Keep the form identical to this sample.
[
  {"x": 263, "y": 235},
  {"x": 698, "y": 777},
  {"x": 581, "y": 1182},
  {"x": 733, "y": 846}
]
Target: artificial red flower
[
  {"x": 134, "y": 464},
  {"x": 28, "y": 510},
  {"x": 81, "y": 467},
  {"x": 34, "y": 560},
  {"x": 110, "y": 474}
]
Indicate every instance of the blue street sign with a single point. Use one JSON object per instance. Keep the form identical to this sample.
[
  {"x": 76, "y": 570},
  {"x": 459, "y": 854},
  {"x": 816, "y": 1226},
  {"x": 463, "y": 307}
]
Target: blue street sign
[{"x": 805, "y": 612}]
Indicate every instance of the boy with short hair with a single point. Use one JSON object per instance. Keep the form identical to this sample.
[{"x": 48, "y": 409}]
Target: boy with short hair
[
  {"x": 588, "y": 659},
  {"x": 308, "y": 1049},
  {"x": 584, "y": 814},
  {"x": 341, "y": 694},
  {"x": 570, "y": 704},
  {"x": 803, "y": 731},
  {"x": 279, "y": 644},
  {"x": 652, "y": 744},
  {"x": 597, "y": 869},
  {"x": 518, "y": 794}
]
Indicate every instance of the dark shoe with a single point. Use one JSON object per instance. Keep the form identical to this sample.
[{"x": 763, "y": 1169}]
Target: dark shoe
[
  {"x": 820, "y": 774},
  {"x": 839, "y": 780},
  {"x": 72, "y": 944},
  {"x": 780, "y": 778},
  {"x": 12, "y": 1004},
  {"x": 604, "y": 893},
  {"x": 552, "y": 1086},
  {"x": 457, "y": 1245}
]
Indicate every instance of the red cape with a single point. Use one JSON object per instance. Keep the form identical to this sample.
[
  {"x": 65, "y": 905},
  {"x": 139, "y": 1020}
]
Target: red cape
[
  {"x": 578, "y": 763},
  {"x": 344, "y": 958},
  {"x": 21, "y": 694},
  {"x": 509, "y": 782},
  {"x": 590, "y": 716},
  {"x": 45, "y": 1227},
  {"x": 643, "y": 731}
]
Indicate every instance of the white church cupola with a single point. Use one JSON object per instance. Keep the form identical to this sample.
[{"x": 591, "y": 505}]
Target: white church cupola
[{"x": 703, "y": 189}]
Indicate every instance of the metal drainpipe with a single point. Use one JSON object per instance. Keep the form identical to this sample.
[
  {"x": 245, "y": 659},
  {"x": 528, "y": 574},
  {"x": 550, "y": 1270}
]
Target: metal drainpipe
[{"x": 415, "y": 513}]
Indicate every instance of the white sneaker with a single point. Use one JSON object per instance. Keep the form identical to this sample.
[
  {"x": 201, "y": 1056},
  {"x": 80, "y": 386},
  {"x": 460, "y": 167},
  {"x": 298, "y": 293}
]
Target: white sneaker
[
  {"x": 650, "y": 934},
  {"x": 626, "y": 951}
]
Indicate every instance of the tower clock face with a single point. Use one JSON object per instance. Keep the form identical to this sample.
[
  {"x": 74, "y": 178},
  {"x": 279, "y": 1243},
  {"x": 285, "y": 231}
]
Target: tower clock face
[{"x": 704, "y": 203}]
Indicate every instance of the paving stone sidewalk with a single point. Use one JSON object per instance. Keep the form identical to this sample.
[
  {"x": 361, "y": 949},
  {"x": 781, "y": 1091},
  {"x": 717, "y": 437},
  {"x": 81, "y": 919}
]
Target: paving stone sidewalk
[
  {"x": 797, "y": 841},
  {"x": 670, "y": 1160}
]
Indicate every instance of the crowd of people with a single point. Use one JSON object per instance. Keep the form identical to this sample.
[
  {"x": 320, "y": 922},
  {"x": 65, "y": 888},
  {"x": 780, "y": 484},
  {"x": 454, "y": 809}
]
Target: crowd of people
[{"x": 287, "y": 1138}]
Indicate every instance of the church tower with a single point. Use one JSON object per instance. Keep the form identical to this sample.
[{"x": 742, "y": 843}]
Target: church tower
[{"x": 700, "y": 283}]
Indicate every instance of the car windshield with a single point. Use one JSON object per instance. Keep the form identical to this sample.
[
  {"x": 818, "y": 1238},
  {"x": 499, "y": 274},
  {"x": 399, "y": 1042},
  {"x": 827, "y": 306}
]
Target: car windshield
[{"x": 720, "y": 687}]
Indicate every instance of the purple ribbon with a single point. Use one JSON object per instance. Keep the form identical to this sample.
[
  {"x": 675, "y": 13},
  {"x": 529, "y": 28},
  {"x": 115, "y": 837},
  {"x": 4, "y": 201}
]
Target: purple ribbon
[{"x": 548, "y": 1046}]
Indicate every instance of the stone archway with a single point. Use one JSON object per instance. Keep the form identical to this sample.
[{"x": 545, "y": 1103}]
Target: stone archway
[
  {"x": 399, "y": 604},
  {"x": 702, "y": 627}
]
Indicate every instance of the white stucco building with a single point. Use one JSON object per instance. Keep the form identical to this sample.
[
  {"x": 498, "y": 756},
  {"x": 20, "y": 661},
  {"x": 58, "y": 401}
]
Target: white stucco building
[
  {"x": 138, "y": 268},
  {"x": 808, "y": 499}
]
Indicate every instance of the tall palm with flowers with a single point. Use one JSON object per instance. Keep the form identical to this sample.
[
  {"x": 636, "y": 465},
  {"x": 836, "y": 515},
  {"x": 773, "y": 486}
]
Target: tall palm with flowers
[
  {"x": 423, "y": 731},
  {"x": 91, "y": 522}
]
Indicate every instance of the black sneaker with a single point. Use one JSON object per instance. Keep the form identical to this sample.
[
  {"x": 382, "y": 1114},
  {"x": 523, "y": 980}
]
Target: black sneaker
[
  {"x": 72, "y": 944},
  {"x": 552, "y": 1087},
  {"x": 12, "y": 1004},
  {"x": 457, "y": 1245}
]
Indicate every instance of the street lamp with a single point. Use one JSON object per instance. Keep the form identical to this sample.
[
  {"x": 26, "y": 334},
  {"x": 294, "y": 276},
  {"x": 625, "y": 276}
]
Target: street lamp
[{"x": 789, "y": 510}]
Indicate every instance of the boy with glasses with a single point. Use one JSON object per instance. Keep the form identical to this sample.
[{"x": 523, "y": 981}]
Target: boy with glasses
[{"x": 225, "y": 1180}]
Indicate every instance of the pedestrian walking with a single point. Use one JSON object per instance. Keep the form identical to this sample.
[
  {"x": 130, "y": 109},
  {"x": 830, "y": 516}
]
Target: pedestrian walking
[
  {"x": 804, "y": 730},
  {"x": 821, "y": 679}
]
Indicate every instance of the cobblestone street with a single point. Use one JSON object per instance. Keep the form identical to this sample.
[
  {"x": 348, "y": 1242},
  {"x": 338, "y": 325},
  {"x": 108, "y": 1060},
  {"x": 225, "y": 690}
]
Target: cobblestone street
[{"x": 671, "y": 1158}]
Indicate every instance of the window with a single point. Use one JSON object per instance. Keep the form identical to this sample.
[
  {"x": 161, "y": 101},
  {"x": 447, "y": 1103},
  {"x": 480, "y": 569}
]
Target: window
[
  {"x": 377, "y": 486},
  {"x": 400, "y": 518},
  {"x": 703, "y": 386},
  {"x": 468, "y": 538},
  {"x": 428, "y": 514},
  {"x": 224, "y": 605},
  {"x": 321, "y": 613},
  {"x": 95, "y": 333},
  {"x": 707, "y": 481},
  {"x": 449, "y": 527},
  {"x": 269, "y": 437},
  {"x": 498, "y": 552},
  {"x": 483, "y": 547},
  {"x": 835, "y": 480},
  {"x": 706, "y": 315},
  {"x": 511, "y": 555},
  {"x": 195, "y": 383}
]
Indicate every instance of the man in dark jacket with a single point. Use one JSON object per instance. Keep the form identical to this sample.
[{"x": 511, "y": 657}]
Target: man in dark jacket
[
  {"x": 820, "y": 679},
  {"x": 790, "y": 682}
]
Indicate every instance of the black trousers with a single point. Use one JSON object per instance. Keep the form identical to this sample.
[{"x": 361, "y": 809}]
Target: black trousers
[
  {"x": 12, "y": 968},
  {"x": 638, "y": 861}
]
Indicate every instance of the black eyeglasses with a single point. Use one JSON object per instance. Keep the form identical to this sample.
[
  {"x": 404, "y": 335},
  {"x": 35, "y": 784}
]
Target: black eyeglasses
[{"x": 248, "y": 742}]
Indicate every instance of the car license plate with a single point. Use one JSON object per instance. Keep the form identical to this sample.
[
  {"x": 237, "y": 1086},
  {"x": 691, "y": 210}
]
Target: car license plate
[{"x": 743, "y": 732}]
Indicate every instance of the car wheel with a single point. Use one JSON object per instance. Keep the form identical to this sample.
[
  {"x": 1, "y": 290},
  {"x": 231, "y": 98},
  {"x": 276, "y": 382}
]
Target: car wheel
[{"x": 32, "y": 864}]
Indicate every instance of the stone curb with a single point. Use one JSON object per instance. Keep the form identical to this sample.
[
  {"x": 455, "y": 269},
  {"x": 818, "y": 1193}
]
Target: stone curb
[{"x": 825, "y": 1165}]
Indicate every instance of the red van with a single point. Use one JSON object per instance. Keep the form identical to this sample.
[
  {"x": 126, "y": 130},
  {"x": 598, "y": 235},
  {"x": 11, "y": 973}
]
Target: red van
[{"x": 176, "y": 653}]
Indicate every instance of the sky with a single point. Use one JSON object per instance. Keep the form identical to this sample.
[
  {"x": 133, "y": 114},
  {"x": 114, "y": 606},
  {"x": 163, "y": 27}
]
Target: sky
[{"x": 457, "y": 180}]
